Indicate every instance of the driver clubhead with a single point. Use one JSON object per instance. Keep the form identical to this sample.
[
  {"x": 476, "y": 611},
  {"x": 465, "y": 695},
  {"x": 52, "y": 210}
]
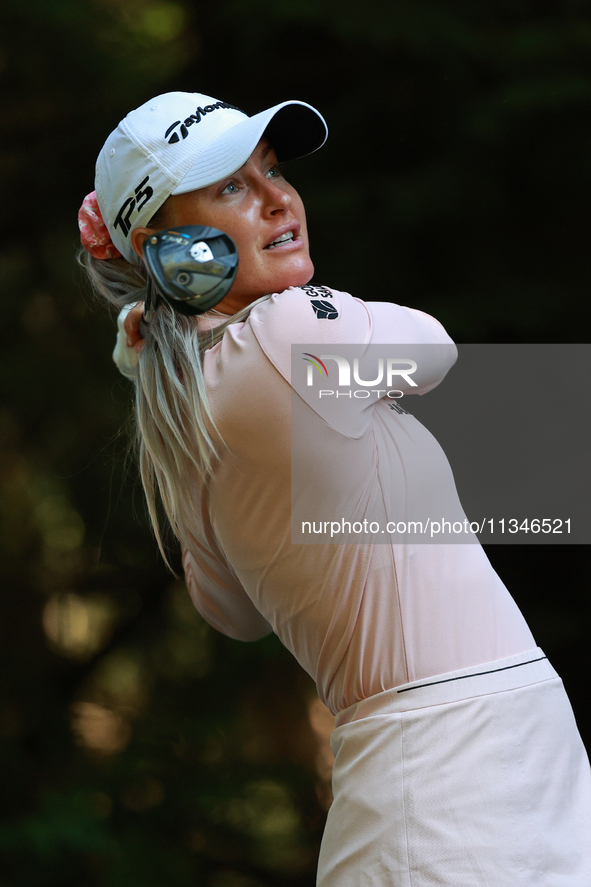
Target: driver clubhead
[{"x": 192, "y": 267}]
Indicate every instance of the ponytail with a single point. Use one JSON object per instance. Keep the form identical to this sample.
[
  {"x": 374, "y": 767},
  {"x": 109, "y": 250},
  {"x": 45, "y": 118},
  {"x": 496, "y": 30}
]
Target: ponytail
[{"x": 175, "y": 429}]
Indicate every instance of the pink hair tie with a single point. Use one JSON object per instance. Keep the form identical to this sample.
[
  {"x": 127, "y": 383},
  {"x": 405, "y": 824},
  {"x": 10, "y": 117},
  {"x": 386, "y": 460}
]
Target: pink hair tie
[{"x": 94, "y": 234}]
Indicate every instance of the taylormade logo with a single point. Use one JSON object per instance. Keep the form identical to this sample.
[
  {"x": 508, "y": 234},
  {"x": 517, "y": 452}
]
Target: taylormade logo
[{"x": 193, "y": 118}]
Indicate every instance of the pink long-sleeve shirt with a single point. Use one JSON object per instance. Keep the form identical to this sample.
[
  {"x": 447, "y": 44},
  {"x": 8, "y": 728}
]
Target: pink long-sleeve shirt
[{"x": 360, "y": 618}]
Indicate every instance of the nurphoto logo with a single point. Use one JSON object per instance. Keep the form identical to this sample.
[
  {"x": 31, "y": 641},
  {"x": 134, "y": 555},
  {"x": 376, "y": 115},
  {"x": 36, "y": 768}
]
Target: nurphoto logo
[{"x": 388, "y": 369}]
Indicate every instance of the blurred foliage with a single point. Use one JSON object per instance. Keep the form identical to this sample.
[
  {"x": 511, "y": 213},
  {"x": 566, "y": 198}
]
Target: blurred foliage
[{"x": 140, "y": 747}]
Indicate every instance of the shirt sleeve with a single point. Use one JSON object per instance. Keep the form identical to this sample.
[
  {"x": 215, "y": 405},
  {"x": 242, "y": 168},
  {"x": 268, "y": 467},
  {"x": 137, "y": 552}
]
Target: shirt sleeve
[
  {"x": 219, "y": 597},
  {"x": 340, "y": 334}
]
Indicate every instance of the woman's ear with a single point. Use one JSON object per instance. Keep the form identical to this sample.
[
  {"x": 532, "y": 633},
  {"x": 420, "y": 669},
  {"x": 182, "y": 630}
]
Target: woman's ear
[
  {"x": 137, "y": 239},
  {"x": 158, "y": 221}
]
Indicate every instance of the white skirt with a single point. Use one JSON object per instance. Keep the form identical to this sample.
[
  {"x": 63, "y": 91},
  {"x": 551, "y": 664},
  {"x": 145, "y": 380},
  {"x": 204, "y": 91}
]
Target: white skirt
[{"x": 476, "y": 778}]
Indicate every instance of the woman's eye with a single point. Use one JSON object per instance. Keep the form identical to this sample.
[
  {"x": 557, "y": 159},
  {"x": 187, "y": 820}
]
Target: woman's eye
[
  {"x": 274, "y": 172},
  {"x": 231, "y": 188}
]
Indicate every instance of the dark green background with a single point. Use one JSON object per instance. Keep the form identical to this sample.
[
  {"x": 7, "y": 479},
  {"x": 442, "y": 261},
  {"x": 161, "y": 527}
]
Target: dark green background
[{"x": 456, "y": 179}]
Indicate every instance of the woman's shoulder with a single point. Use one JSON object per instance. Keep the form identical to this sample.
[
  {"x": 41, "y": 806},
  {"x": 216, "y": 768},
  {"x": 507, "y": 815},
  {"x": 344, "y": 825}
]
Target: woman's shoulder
[
  {"x": 314, "y": 313},
  {"x": 324, "y": 302},
  {"x": 309, "y": 313}
]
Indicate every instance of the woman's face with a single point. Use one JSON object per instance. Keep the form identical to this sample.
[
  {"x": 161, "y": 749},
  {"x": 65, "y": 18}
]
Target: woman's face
[{"x": 264, "y": 215}]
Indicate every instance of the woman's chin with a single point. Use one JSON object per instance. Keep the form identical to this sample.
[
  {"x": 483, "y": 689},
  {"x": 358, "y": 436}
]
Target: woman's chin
[{"x": 298, "y": 276}]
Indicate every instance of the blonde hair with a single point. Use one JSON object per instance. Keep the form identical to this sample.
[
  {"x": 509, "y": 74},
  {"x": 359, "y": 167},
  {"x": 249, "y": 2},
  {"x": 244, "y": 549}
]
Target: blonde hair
[{"x": 175, "y": 429}]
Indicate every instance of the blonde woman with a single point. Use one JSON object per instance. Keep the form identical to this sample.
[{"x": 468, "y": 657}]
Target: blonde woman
[{"x": 457, "y": 758}]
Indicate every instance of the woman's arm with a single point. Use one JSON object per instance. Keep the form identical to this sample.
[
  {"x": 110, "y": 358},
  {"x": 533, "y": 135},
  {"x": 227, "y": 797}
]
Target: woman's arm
[
  {"x": 219, "y": 597},
  {"x": 399, "y": 349}
]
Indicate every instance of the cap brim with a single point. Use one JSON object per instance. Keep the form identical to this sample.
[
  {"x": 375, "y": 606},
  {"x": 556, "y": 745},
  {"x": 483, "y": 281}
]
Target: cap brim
[{"x": 294, "y": 129}]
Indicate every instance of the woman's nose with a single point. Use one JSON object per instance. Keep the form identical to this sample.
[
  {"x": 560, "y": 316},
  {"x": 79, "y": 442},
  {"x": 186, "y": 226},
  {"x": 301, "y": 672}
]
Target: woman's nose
[{"x": 277, "y": 199}]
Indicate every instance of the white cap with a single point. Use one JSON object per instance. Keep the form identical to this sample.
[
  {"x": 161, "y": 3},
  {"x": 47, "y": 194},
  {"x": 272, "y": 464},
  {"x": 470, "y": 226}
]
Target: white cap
[{"x": 182, "y": 141}]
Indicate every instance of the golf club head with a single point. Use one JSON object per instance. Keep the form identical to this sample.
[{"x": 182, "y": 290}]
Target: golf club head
[{"x": 192, "y": 267}]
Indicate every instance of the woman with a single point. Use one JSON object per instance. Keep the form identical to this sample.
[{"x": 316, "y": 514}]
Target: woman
[{"x": 457, "y": 759}]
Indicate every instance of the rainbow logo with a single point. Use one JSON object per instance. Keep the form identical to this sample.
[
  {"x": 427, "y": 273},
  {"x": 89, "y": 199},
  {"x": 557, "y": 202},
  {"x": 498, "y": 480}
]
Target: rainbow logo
[{"x": 315, "y": 361}]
